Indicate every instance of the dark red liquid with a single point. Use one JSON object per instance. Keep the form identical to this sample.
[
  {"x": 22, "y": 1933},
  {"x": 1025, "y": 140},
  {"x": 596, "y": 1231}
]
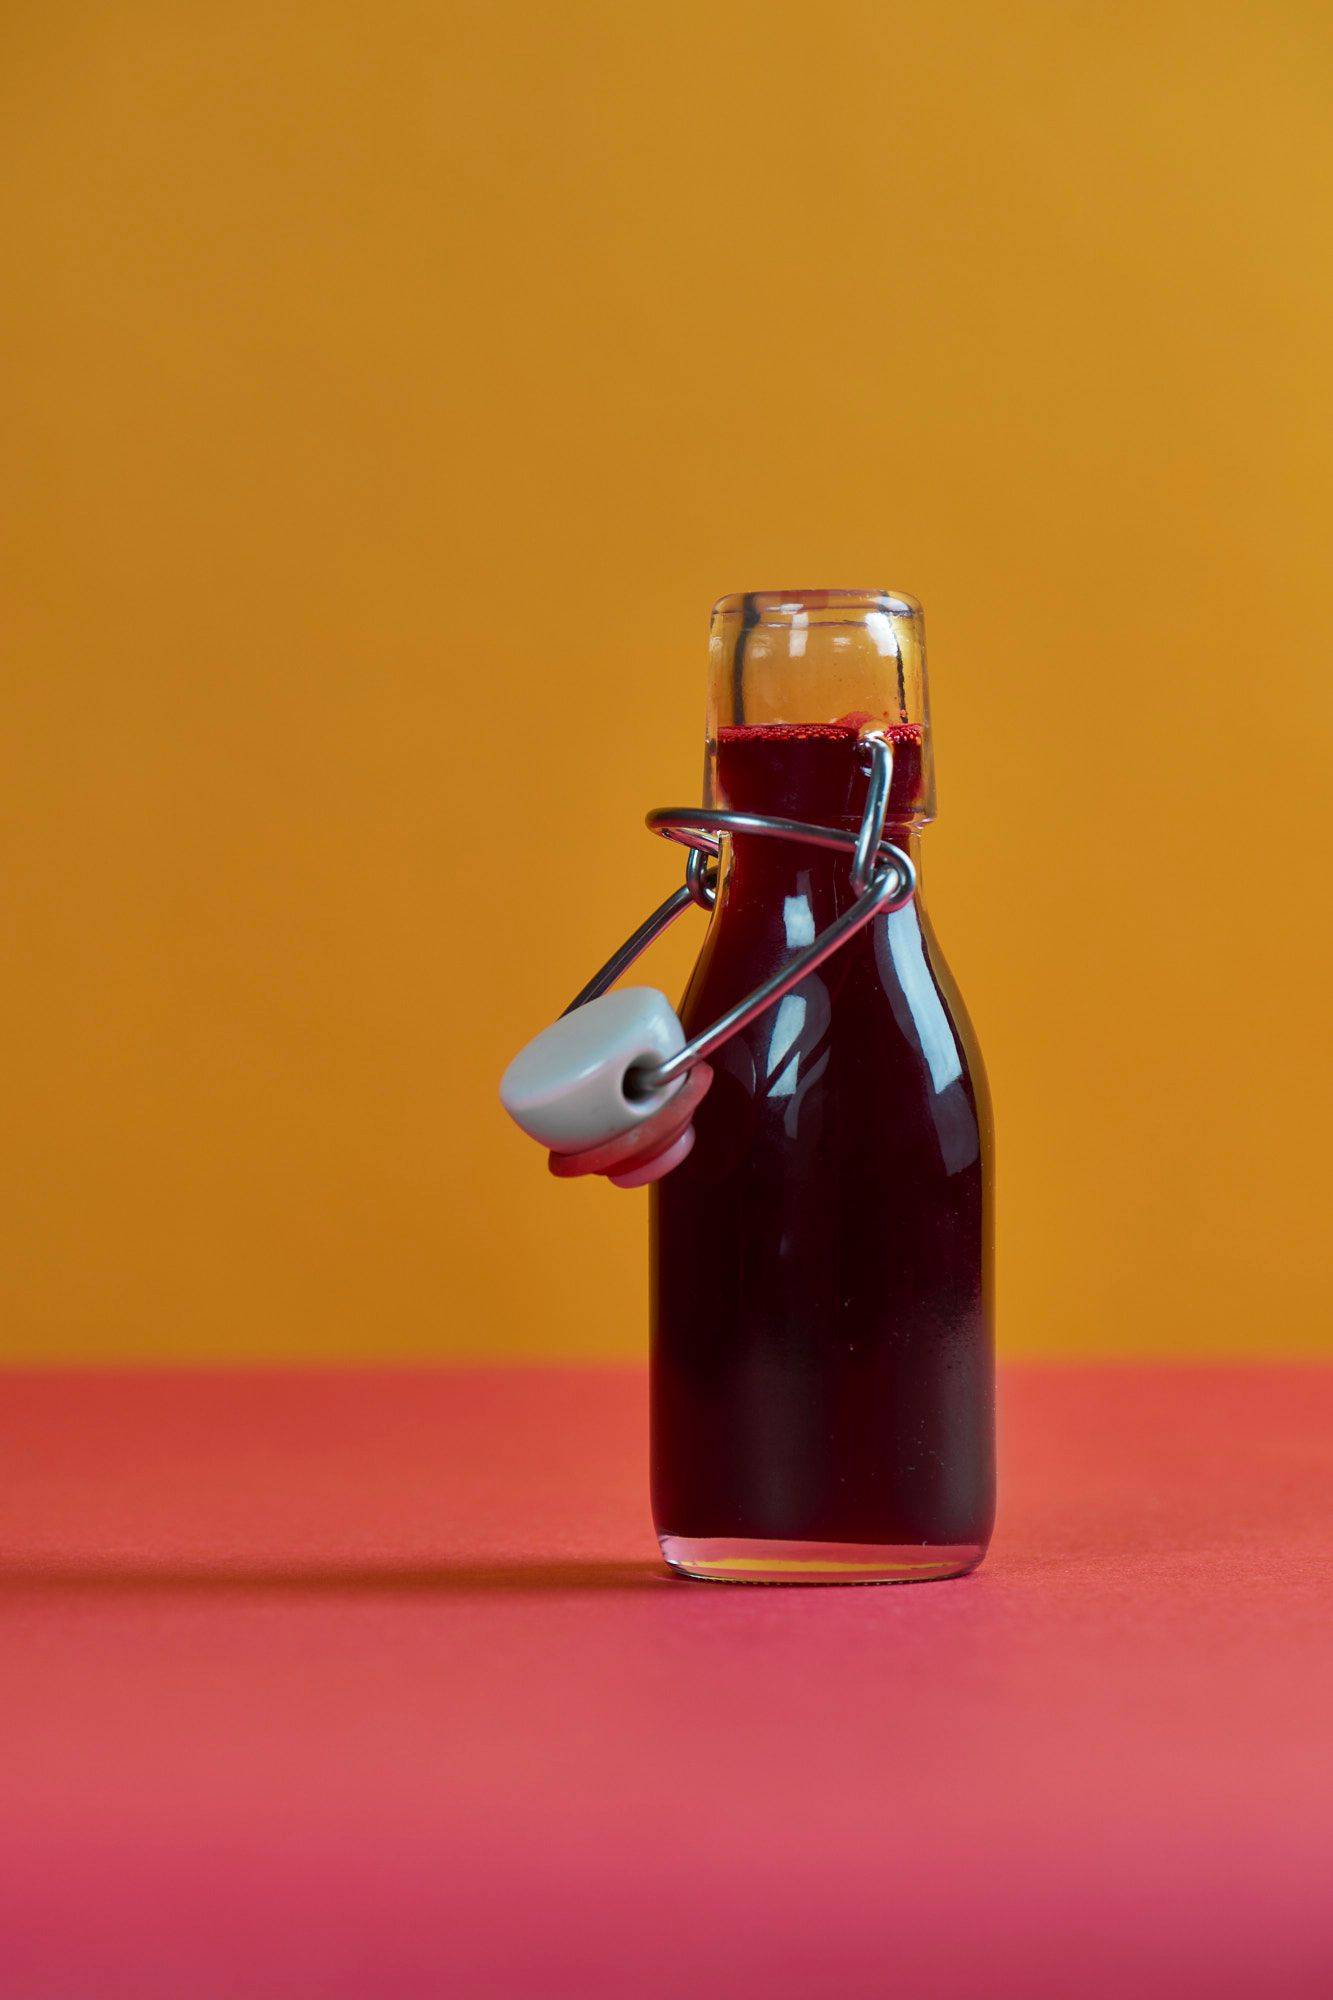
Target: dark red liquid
[{"x": 822, "y": 1361}]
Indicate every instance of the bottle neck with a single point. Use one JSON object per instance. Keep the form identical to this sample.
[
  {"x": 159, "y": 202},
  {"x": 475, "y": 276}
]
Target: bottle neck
[
  {"x": 759, "y": 871},
  {"x": 815, "y": 771},
  {"x": 818, "y": 773}
]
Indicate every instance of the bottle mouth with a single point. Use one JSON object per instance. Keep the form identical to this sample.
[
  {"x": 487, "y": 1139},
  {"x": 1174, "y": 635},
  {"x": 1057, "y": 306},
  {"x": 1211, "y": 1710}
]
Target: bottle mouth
[
  {"x": 800, "y": 607},
  {"x": 828, "y": 661}
]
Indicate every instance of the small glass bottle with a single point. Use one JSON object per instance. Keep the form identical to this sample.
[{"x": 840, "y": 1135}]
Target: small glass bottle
[{"x": 822, "y": 1355}]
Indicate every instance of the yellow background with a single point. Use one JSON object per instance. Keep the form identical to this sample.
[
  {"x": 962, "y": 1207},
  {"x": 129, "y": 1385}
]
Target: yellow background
[{"x": 389, "y": 390}]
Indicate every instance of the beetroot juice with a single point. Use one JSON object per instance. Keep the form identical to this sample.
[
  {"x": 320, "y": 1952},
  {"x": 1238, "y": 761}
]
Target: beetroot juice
[{"x": 822, "y": 1393}]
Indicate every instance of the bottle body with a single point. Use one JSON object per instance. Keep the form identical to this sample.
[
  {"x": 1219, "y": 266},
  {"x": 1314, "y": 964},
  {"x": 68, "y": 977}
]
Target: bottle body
[{"x": 822, "y": 1353}]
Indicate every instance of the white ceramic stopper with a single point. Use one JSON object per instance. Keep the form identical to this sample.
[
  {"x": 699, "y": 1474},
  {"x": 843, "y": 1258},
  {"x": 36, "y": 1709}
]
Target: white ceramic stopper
[{"x": 567, "y": 1088}]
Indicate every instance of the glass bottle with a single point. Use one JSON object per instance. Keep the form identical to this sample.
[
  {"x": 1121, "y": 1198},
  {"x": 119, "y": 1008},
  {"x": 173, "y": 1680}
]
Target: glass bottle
[{"x": 822, "y": 1374}]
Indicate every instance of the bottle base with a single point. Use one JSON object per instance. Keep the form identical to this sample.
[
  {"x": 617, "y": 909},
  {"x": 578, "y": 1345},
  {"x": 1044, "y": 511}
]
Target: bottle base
[{"x": 735, "y": 1559}]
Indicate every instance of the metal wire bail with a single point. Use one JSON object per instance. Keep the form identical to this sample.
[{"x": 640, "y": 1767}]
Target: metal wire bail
[{"x": 882, "y": 875}]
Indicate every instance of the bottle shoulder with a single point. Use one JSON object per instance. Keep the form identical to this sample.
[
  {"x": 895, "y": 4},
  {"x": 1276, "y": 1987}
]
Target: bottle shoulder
[
  {"x": 946, "y": 985},
  {"x": 880, "y": 1028}
]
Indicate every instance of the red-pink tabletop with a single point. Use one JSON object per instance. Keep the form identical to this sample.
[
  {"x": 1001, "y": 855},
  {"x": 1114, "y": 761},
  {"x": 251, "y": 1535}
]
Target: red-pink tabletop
[{"x": 370, "y": 1684}]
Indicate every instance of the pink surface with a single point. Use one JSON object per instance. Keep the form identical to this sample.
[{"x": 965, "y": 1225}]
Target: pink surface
[{"x": 368, "y": 1684}]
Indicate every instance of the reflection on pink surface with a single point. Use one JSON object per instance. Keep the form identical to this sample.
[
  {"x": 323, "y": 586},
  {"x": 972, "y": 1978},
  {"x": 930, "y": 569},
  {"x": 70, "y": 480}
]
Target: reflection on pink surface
[{"x": 348, "y": 1684}]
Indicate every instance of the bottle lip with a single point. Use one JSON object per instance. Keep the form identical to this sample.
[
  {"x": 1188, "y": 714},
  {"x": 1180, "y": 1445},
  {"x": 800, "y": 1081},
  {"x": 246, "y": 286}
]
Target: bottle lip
[{"x": 789, "y": 607}]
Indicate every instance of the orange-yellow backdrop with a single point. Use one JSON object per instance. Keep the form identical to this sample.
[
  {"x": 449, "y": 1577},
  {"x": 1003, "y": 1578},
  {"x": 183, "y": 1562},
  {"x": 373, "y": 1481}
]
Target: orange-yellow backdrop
[{"x": 390, "y": 389}]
